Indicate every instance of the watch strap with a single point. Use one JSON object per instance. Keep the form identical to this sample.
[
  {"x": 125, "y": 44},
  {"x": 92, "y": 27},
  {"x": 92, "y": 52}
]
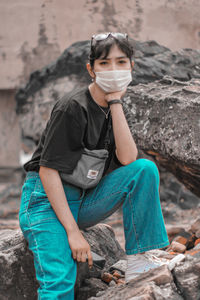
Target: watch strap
[{"x": 114, "y": 101}]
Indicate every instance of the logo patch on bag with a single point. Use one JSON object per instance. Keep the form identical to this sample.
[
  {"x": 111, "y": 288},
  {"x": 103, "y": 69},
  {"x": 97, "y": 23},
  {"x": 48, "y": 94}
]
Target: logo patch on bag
[{"x": 92, "y": 174}]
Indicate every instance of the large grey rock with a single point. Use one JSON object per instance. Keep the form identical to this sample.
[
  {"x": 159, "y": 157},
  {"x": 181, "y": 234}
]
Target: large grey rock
[
  {"x": 195, "y": 226},
  {"x": 106, "y": 246},
  {"x": 165, "y": 119},
  {"x": 36, "y": 111},
  {"x": 90, "y": 287},
  {"x": 9, "y": 200},
  {"x": 17, "y": 274},
  {"x": 187, "y": 278},
  {"x": 149, "y": 291},
  {"x": 173, "y": 191}
]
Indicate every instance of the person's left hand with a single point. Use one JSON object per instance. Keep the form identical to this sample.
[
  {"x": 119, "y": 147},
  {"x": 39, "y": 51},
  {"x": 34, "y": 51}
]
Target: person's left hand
[{"x": 115, "y": 95}]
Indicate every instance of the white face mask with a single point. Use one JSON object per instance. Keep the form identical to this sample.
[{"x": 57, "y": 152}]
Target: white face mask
[{"x": 113, "y": 81}]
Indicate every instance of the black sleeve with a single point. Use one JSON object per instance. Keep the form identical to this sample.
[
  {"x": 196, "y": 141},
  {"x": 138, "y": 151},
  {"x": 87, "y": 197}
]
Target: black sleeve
[{"x": 63, "y": 143}]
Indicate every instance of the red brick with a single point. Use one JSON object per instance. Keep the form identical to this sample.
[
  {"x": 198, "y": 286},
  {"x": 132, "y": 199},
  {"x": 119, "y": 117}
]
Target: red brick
[{"x": 197, "y": 242}]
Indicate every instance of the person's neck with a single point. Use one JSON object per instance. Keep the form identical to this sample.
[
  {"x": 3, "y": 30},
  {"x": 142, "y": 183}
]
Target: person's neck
[{"x": 98, "y": 94}]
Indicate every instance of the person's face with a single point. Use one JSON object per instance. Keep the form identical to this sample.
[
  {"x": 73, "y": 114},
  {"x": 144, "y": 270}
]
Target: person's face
[{"x": 116, "y": 60}]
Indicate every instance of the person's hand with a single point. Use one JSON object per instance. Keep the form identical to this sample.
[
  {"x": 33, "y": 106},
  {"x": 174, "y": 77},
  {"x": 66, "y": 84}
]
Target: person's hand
[
  {"x": 115, "y": 95},
  {"x": 80, "y": 247}
]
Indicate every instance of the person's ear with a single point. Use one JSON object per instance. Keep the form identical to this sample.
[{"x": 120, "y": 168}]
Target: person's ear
[
  {"x": 90, "y": 70},
  {"x": 132, "y": 64}
]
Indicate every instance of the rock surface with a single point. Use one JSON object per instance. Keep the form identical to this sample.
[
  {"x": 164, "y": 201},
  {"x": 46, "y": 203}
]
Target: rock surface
[
  {"x": 172, "y": 192},
  {"x": 17, "y": 276},
  {"x": 165, "y": 119},
  {"x": 153, "y": 284},
  {"x": 187, "y": 277},
  {"x": 160, "y": 283},
  {"x": 178, "y": 247},
  {"x": 106, "y": 246}
]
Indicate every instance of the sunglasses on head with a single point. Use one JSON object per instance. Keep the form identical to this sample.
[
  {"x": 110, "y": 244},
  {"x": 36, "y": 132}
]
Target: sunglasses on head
[{"x": 103, "y": 36}]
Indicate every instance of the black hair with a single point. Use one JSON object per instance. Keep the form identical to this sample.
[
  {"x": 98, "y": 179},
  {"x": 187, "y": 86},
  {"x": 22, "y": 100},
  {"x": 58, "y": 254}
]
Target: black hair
[{"x": 102, "y": 48}]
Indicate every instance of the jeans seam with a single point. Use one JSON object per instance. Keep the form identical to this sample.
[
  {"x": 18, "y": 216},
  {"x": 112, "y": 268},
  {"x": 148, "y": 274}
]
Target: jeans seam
[
  {"x": 114, "y": 209},
  {"x": 36, "y": 245},
  {"x": 31, "y": 231},
  {"x": 105, "y": 215},
  {"x": 52, "y": 218},
  {"x": 133, "y": 223},
  {"x": 28, "y": 204},
  {"x": 92, "y": 202}
]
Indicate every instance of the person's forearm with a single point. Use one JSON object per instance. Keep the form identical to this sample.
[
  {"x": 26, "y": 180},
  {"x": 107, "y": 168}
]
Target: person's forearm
[
  {"x": 125, "y": 146},
  {"x": 54, "y": 189}
]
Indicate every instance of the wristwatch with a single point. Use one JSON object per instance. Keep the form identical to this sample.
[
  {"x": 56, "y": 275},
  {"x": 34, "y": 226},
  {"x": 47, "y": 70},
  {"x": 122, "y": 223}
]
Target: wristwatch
[{"x": 114, "y": 101}]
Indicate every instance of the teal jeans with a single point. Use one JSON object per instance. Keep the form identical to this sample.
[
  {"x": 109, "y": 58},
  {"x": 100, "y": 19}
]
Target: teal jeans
[{"x": 135, "y": 187}]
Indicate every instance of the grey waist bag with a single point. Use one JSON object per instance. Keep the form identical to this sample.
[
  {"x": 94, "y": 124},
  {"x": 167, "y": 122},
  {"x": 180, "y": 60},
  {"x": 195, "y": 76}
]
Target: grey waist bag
[{"x": 89, "y": 169}]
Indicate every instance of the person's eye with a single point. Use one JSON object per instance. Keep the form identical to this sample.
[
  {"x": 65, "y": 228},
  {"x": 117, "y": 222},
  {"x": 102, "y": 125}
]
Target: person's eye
[
  {"x": 122, "y": 61},
  {"x": 103, "y": 62}
]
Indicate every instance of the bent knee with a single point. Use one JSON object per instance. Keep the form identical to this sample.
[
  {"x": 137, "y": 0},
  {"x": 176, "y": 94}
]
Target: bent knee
[{"x": 146, "y": 166}]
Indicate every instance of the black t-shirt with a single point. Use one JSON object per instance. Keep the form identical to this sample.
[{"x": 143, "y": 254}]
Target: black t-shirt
[{"x": 76, "y": 122}]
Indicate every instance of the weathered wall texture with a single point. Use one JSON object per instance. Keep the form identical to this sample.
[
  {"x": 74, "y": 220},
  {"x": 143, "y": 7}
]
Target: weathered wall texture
[
  {"x": 33, "y": 33},
  {"x": 10, "y": 143}
]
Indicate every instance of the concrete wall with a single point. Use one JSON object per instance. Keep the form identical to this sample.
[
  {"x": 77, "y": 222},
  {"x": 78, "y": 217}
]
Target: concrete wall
[
  {"x": 9, "y": 130},
  {"x": 33, "y": 33}
]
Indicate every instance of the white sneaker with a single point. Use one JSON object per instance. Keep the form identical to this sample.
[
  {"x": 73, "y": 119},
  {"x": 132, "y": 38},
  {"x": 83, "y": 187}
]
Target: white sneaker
[
  {"x": 158, "y": 260},
  {"x": 142, "y": 263}
]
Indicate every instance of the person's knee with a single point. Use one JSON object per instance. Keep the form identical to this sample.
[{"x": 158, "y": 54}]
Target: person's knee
[{"x": 146, "y": 166}]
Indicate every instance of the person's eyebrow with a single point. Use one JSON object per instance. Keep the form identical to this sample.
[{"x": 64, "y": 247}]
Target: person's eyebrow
[{"x": 119, "y": 57}]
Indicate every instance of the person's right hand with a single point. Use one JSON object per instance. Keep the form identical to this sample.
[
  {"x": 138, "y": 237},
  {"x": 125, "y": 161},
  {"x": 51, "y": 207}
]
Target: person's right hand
[{"x": 80, "y": 247}]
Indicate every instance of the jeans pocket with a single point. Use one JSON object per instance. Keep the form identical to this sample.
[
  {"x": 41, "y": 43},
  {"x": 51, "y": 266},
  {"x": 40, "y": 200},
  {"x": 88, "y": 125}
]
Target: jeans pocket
[
  {"x": 39, "y": 209},
  {"x": 38, "y": 198},
  {"x": 38, "y": 202}
]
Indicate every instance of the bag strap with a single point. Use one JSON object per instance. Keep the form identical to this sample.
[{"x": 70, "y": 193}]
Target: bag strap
[{"x": 107, "y": 137}]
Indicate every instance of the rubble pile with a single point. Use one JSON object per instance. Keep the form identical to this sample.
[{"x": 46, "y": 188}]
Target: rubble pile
[{"x": 177, "y": 280}]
